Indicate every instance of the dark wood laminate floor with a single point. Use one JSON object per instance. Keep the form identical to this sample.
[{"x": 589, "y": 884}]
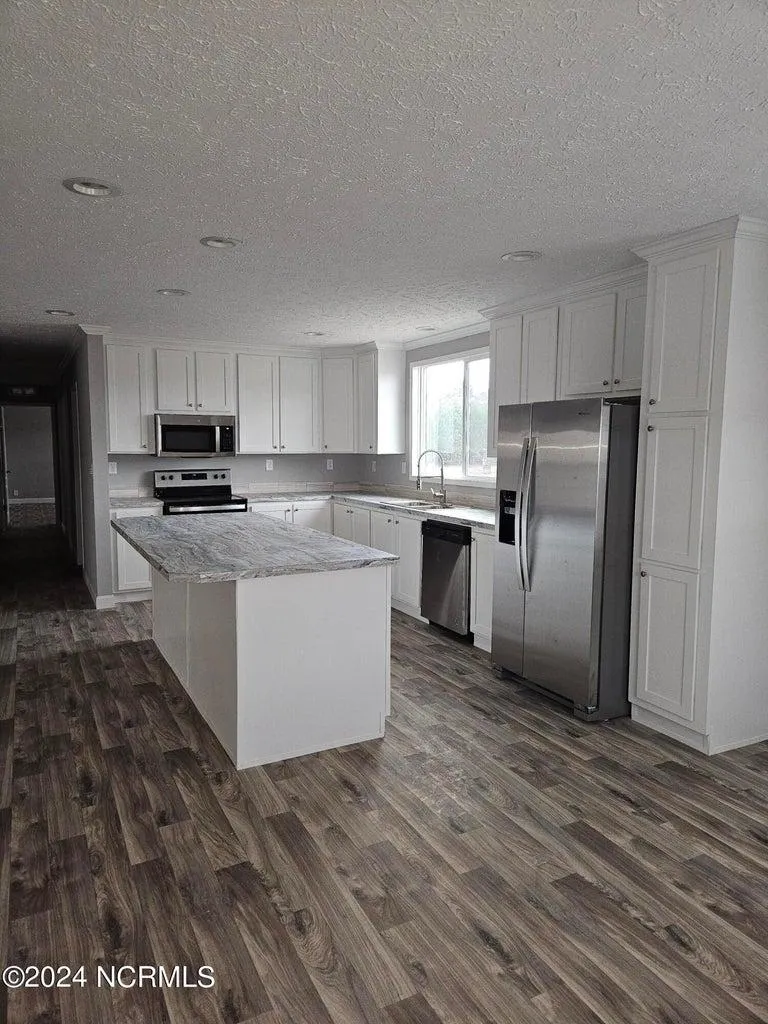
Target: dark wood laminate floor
[{"x": 491, "y": 860}]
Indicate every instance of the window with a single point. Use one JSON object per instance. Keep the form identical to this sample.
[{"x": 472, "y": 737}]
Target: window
[{"x": 449, "y": 413}]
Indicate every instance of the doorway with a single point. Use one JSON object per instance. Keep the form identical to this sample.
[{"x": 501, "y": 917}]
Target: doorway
[{"x": 28, "y": 473}]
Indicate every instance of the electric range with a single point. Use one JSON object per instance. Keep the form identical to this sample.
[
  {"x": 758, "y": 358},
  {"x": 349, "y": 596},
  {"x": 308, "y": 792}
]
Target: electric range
[{"x": 185, "y": 491}]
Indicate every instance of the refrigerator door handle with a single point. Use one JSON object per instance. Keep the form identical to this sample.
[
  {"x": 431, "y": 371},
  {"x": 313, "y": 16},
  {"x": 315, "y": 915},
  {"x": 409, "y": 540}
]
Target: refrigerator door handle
[
  {"x": 519, "y": 513},
  {"x": 525, "y": 512}
]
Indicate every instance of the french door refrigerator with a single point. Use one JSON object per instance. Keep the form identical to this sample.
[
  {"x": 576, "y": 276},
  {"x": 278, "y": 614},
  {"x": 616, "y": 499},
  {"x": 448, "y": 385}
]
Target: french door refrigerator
[{"x": 562, "y": 578}]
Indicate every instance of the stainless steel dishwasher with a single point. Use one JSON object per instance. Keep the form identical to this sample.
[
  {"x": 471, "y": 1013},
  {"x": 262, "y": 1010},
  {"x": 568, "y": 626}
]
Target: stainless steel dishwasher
[{"x": 445, "y": 574}]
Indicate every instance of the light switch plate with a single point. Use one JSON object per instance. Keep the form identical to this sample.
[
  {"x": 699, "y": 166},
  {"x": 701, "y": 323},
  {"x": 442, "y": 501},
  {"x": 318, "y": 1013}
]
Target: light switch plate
[
  {"x": 329, "y": 463},
  {"x": 373, "y": 466},
  {"x": 403, "y": 466},
  {"x": 269, "y": 465},
  {"x": 112, "y": 468}
]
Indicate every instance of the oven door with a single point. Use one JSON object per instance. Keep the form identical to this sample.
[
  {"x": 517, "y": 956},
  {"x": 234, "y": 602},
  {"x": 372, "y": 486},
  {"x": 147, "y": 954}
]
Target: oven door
[{"x": 186, "y": 435}]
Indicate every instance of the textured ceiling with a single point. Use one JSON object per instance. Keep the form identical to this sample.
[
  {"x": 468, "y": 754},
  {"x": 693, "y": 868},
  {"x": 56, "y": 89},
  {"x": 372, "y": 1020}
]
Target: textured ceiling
[{"x": 376, "y": 156}]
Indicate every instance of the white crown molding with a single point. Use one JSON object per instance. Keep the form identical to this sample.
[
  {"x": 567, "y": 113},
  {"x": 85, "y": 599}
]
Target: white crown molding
[
  {"x": 440, "y": 337},
  {"x": 580, "y": 289},
  {"x": 719, "y": 230},
  {"x": 95, "y": 328}
]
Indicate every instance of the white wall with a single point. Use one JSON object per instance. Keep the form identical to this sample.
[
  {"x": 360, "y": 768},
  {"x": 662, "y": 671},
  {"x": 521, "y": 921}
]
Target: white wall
[{"x": 29, "y": 452}]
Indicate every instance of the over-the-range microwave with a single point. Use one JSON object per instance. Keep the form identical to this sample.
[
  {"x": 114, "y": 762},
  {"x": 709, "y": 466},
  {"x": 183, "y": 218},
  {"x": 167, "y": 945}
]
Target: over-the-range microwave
[{"x": 194, "y": 436}]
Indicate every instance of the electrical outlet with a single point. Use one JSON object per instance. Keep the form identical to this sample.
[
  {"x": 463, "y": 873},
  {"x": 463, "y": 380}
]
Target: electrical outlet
[
  {"x": 269, "y": 465},
  {"x": 329, "y": 463},
  {"x": 373, "y": 466},
  {"x": 112, "y": 468},
  {"x": 15, "y": 494},
  {"x": 403, "y": 466}
]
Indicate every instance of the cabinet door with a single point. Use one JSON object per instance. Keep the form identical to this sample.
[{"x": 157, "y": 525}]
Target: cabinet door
[
  {"x": 272, "y": 509},
  {"x": 539, "y": 356},
  {"x": 674, "y": 489},
  {"x": 127, "y": 399},
  {"x": 299, "y": 404},
  {"x": 384, "y": 538},
  {"x": 257, "y": 400},
  {"x": 684, "y": 301},
  {"x": 131, "y": 570},
  {"x": 366, "y": 402},
  {"x": 481, "y": 588},
  {"x": 667, "y": 639},
  {"x": 506, "y": 350},
  {"x": 587, "y": 332},
  {"x": 630, "y": 338},
  {"x": 175, "y": 384},
  {"x": 316, "y": 515},
  {"x": 339, "y": 404},
  {"x": 361, "y": 526},
  {"x": 213, "y": 378},
  {"x": 409, "y": 568},
  {"x": 342, "y": 521}
]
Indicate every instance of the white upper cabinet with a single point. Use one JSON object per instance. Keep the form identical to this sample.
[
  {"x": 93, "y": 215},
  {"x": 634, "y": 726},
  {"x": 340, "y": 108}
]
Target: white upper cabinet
[
  {"x": 506, "y": 348},
  {"x": 257, "y": 393},
  {"x": 199, "y": 381},
  {"x": 674, "y": 489},
  {"x": 213, "y": 382},
  {"x": 338, "y": 403},
  {"x": 685, "y": 297},
  {"x": 128, "y": 401},
  {"x": 380, "y": 388},
  {"x": 601, "y": 342},
  {"x": 366, "y": 402},
  {"x": 299, "y": 404},
  {"x": 538, "y": 376},
  {"x": 175, "y": 380},
  {"x": 630, "y": 337},
  {"x": 587, "y": 333}
]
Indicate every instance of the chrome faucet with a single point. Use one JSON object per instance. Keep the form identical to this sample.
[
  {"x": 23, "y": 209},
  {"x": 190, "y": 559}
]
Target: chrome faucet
[{"x": 437, "y": 494}]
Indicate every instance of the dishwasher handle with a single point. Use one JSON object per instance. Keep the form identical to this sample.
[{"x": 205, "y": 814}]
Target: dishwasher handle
[{"x": 446, "y": 531}]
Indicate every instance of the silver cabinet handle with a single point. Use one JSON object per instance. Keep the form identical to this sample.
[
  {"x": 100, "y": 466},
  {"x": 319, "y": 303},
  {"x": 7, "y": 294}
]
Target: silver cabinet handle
[
  {"x": 650, "y": 427},
  {"x": 606, "y": 383},
  {"x": 651, "y": 401},
  {"x": 282, "y": 446},
  {"x": 643, "y": 573},
  {"x": 617, "y": 380}
]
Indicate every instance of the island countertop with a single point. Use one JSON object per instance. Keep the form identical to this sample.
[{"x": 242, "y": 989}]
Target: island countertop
[{"x": 239, "y": 546}]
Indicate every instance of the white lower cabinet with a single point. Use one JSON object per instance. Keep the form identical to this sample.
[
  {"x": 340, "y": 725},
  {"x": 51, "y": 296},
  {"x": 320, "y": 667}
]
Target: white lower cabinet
[
  {"x": 316, "y": 515},
  {"x": 407, "y": 593},
  {"x": 385, "y": 537},
  {"x": 274, "y": 509},
  {"x": 481, "y": 588},
  {"x": 351, "y": 523},
  {"x": 668, "y": 609},
  {"x": 342, "y": 521},
  {"x": 130, "y": 572}
]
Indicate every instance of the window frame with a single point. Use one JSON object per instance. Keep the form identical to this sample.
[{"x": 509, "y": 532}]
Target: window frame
[{"x": 415, "y": 422}]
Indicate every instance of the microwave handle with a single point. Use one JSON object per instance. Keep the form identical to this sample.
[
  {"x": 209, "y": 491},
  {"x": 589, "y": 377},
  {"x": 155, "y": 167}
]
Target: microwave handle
[{"x": 158, "y": 435}]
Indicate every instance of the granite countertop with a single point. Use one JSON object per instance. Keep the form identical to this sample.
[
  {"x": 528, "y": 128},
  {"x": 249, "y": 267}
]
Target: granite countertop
[
  {"x": 239, "y": 546},
  {"x": 462, "y": 515}
]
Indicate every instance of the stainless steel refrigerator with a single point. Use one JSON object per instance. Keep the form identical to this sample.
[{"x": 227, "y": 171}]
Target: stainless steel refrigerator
[{"x": 563, "y": 560}]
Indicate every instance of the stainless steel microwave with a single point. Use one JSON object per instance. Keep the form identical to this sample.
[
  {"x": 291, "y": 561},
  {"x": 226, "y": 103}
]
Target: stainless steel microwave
[{"x": 194, "y": 436}]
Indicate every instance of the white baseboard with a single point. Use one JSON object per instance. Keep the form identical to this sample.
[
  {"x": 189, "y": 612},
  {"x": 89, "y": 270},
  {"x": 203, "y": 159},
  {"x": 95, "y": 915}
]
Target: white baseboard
[
  {"x": 31, "y": 501},
  {"x": 674, "y": 730},
  {"x": 99, "y": 603},
  {"x": 409, "y": 609},
  {"x": 132, "y": 595}
]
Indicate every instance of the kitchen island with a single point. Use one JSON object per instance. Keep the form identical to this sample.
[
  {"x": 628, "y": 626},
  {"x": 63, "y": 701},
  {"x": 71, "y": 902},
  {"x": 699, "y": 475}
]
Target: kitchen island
[{"x": 279, "y": 634}]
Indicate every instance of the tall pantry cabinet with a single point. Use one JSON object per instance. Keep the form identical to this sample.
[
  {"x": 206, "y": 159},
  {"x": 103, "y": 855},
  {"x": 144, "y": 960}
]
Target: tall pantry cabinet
[{"x": 700, "y": 646}]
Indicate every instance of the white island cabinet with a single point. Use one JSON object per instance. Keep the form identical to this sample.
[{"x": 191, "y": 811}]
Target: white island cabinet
[{"x": 270, "y": 684}]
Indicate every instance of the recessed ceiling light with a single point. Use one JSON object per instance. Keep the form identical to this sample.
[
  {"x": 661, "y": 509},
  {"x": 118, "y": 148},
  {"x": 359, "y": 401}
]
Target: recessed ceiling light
[
  {"x": 215, "y": 242},
  {"x": 521, "y": 256},
  {"x": 59, "y": 312},
  {"x": 426, "y": 328},
  {"x": 86, "y": 187},
  {"x": 315, "y": 334},
  {"x": 172, "y": 291}
]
